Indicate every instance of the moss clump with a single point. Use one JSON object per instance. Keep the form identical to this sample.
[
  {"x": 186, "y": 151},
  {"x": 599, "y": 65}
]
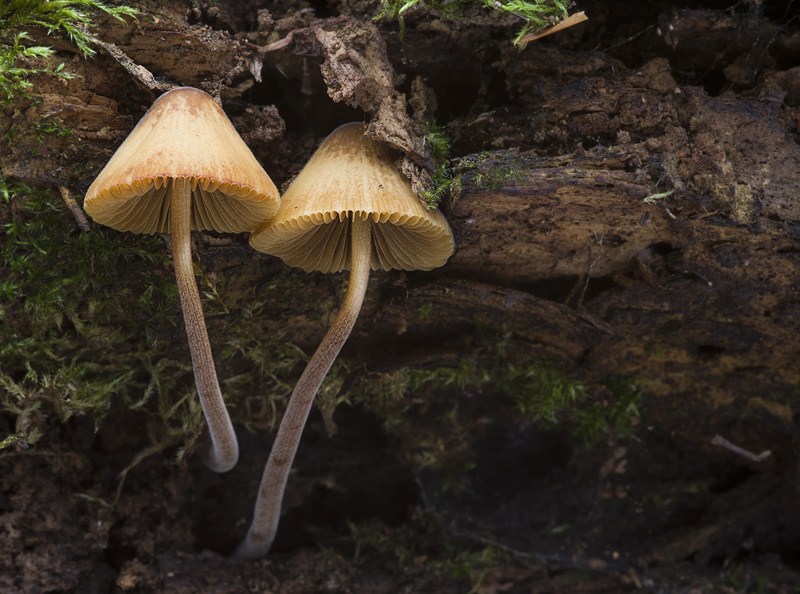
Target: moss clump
[
  {"x": 263, "y": 388},
  {"x": 499, "y": 169},
  {"x": 535, "y": 392},
  {"x": 88, "y": 318},
  {"x": 425, "y": 311},
  {"x": 544, "y": 393},
  {"x": 442, "y": 179},
  {"x": 419, "y": 552},
  {"x": 20, "y": 58},
  {"x": 59, "y": 304},
  {"x": 536, "y": 14},
  {"x": 14, "y": 76},
  {"x": 50, "y": 127}
]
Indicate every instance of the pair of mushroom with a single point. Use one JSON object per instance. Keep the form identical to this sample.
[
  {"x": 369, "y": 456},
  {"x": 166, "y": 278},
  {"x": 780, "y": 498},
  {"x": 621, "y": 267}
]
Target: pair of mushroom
[{"x": 184, "y": 167}]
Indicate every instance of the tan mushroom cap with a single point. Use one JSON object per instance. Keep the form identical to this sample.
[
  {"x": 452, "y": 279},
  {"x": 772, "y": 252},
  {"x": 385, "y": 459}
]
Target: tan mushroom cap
[
  {"x": 353, "y": 175},
  {"x": 185, "y": 134}
]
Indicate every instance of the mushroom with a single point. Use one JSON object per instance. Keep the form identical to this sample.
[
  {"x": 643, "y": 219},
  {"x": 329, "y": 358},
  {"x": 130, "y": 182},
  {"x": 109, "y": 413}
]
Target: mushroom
[
  {"x": 184, "y": 167},
  {"x": 348, "y": 208}
]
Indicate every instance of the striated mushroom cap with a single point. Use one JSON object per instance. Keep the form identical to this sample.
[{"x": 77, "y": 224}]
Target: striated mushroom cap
[
  {"x": 184, "y": 134},
  {"x": 350, "y": 175}
]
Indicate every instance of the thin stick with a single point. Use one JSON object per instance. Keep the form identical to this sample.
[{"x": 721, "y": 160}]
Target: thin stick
[
  {"x": 571, "y": 20},
  {"x": 224, "y": 451},
  {"x": 724, "y": 443},
  {"x": 140, "y": 72},
  {"x": 77, "y": 213},
  {"x": 273, "y": 482}
]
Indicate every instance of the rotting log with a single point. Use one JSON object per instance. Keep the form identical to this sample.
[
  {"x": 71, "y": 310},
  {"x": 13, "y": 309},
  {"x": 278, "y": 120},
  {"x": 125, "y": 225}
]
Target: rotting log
[{"x": 610, "y": 221}]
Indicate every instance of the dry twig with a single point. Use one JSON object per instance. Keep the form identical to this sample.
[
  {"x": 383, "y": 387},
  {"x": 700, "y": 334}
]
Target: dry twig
[{"x": 571, "y": 20}]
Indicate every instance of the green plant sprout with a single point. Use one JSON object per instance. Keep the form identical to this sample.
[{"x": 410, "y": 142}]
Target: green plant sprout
[
  {"x": 656, "y": 198},
  {"x": 537, "y": 14},
  {"x": 17, "y": 49}
]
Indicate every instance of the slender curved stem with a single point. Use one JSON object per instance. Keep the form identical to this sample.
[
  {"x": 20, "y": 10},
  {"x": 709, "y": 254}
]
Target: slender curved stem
[
  {"x": 224, "y": 450},
  {"x": 273, "y": 482}
]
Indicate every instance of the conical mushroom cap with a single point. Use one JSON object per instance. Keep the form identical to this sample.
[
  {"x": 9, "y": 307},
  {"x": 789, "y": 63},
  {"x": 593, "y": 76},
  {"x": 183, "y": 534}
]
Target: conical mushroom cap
[
  {"x": 351, "y": 175},
  {"x": 184, "y": 134}
]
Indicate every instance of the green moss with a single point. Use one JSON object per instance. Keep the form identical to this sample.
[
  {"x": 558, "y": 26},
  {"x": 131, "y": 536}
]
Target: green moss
[
  {"x": 91, "y": 318},
  {"x": 20, "y": 59},
  {"x": 425, "y": 311},
  {"x": 467, "y": 373},
  {"x": 419, "y": 551},
  {"x": 442, "y": 184},
  {"x": 536, "y": 14},
  {"x": 487, "y": 169},
  {"x": 10, "y": 133},
  {"x": 493, "y": 170},
  {"x": 534, "y": 392},
  {"x": 50, "y": 127},
  {"x": 504, "y": 175},
  {"x": 59, "y": 335},
  {"x": 14, "y": 77},
  {"x": 656, "y": 198},
  {"x": 614, "y": 411},
  {"x": 544, "y": 393},
  {"x": 243, "y": 314},
  {"x": 77, "y": 333},
  {"x": 244, "y": 311}
]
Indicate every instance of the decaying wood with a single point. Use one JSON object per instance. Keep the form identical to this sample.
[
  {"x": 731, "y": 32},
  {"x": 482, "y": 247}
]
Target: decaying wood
[{"x": 609, "y": 219}]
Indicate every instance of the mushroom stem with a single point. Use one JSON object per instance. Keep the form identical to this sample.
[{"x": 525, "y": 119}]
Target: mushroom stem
[
  {"x": 273, "y": 482},
  {"x": 224, "y": 450}
]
